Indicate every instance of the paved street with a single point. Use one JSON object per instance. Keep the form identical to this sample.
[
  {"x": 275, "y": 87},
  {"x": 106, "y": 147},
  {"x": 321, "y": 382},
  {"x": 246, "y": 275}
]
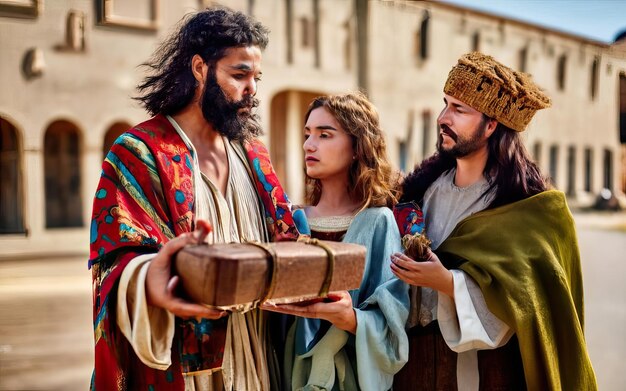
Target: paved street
[
  {"x": 45, "y": 325},
  {"x": 46, "y": 334},
  {"x": 604, "y": 269}
]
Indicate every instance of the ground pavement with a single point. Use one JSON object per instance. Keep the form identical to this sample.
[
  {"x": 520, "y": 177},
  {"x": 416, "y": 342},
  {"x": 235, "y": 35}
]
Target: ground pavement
[{"x": 46, "y": 329}]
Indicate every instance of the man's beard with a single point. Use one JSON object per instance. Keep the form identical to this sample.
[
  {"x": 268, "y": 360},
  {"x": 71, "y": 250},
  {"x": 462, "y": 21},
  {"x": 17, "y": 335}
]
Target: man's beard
[
  {"x": 462, "y": 146},
  {"x": 225, "y": 115}
]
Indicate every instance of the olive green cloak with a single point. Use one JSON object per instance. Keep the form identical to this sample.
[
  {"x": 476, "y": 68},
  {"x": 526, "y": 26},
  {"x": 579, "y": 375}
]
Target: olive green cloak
[{"x": 525, "y": 258}]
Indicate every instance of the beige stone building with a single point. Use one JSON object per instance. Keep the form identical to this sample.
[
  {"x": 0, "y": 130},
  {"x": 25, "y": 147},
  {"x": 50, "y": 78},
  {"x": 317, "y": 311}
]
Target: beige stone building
[{"x": 68, "y": 69}]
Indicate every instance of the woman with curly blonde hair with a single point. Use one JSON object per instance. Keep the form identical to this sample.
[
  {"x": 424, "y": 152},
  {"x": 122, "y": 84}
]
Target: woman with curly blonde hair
[{"x": 352, "y": 340}]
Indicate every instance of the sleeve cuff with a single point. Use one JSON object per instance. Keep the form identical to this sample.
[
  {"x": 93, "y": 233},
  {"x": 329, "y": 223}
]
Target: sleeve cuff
[
  {"x": 149, "y": 329},
  {"x": 460, "y": 324}
]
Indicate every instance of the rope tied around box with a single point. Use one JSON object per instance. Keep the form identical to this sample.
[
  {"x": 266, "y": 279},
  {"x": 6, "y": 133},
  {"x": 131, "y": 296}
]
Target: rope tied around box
[
  {"x": 330, "y": 270},
  {"x": 273, "y": 266}
]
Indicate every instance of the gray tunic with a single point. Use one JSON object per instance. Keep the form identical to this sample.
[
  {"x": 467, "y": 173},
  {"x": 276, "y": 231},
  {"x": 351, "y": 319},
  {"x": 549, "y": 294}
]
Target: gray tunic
[{"x": 465, "y": 322}]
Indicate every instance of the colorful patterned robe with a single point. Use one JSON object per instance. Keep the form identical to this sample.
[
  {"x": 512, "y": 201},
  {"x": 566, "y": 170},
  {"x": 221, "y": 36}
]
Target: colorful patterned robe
[{"x": 145, "y": 198}]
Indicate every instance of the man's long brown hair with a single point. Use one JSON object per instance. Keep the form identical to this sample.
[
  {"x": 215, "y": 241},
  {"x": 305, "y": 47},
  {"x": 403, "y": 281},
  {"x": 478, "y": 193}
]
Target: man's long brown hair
[
  {"x": 509, "y": 169},
  {"x": 371, "y": 181}
]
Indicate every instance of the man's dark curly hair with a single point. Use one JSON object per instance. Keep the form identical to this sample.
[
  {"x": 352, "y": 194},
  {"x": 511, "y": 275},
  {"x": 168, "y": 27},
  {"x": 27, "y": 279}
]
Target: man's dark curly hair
[{"x": 209, "y": 33}]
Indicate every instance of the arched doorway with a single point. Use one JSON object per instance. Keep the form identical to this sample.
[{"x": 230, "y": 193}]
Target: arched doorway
[
  {"x": 62, "y": 173},
  {"x": 286, "y": 137},
  {"x": 113, "y": 133},
  {"x": 11, "y": 193}
]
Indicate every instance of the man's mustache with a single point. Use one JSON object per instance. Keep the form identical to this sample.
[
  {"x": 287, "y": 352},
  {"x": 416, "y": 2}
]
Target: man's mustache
[
  {"x": 248, "y": 101},
  {"x": 449, "y": 132}
]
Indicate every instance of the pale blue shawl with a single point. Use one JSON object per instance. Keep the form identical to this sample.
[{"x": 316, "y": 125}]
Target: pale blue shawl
[{"x": 320, "y": 356}]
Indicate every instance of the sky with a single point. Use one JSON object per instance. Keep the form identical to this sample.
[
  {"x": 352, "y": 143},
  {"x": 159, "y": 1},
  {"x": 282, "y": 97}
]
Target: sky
[{"x": 599, "y": 20}]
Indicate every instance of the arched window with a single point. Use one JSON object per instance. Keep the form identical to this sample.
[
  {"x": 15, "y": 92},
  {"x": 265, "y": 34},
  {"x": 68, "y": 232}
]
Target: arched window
[
  {"x": 571, "y": 170},
  {"x": 523, "y": 59},
  {"x": 593, "y": 84},
  {"x": 347, "y": 45},
  {"x": 426, "y": 129},
  {"x": 114, "y": 132},
  {"x": 289, "y": 29},
  {"x": 62, "y": 160},
  {"x": 316, "y": 32},
  {"x": 403, "y": 155},
  {"x": 306, "y": 32},
  {"x": 561, "y": 68},
  {"x": 622, "y": 123},
  {"x": 11, "y": 196},
  {"x": 421, "y": 38},
  {"x": 476, "y": 41},
  {"x": 608, "y": 169},
  {"x": 404, "y": 144},
  {"x": 588, "y": 170},
  {"x": 537, "y": 153},
  {"x": 622, "y": 108},
  {"x": 554, "y": 161}
]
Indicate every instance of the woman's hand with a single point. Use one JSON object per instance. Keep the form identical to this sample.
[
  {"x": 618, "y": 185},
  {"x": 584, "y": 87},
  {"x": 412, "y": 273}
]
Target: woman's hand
[
  {"x": 430, "y": 273},
  {"x": 337, "y": 309},
  {"x": 161, "y": 285}
]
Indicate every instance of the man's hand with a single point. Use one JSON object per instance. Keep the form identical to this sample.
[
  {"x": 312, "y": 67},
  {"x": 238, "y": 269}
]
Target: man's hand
[
  {"x": 430, "y": 273},
  {"x": 161, "y": 285},
  {"x": 337, "y": 309}
]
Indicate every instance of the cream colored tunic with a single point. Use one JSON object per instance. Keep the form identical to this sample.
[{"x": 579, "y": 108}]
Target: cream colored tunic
[{"x": 235, "y": 216}]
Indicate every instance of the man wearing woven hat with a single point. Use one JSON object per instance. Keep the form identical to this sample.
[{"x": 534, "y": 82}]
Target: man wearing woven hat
[{"x": 501, "y": 296}]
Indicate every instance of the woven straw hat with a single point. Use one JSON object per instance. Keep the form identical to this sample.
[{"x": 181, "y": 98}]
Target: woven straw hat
[{"x": 508, "y": 96}]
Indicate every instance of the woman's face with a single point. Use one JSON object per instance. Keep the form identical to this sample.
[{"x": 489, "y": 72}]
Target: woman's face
[{"x": 328, "y": 151}]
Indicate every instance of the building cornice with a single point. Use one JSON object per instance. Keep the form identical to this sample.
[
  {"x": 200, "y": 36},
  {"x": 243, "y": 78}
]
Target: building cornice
[{"x": 512, "y": 21}]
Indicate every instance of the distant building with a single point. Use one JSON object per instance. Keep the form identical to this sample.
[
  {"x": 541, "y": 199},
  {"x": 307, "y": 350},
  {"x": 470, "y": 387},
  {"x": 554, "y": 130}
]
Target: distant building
[{"x": 68, "y": 69}]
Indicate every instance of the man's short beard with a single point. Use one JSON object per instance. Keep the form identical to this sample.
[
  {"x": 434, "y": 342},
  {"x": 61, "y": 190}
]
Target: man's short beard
[
  {"x": 465, "y": 146},
  {"x": 225, "y": 115}
]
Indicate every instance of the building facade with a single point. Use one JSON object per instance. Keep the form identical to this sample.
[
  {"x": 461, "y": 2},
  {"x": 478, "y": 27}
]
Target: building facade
[{"x": 68, "y": 71}]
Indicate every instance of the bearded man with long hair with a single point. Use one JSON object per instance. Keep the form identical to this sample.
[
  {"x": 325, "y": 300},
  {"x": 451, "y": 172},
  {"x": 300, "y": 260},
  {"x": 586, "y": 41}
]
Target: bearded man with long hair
[
  {"x": 193, "y": 172},
  {"x": 501, "y": 298}
]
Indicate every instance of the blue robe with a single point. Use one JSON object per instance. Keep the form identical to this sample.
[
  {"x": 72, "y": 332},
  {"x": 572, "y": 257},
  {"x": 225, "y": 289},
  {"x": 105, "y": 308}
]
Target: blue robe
[{"x": 320, "y": 356}]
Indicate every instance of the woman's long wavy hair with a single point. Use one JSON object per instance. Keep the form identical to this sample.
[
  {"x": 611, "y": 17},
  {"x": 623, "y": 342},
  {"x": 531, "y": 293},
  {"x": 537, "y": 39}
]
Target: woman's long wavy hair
[
  {"x": 371, "y": 181},
  {"x": 171, "y": 85},
  {"x": 509, "y": 169}
]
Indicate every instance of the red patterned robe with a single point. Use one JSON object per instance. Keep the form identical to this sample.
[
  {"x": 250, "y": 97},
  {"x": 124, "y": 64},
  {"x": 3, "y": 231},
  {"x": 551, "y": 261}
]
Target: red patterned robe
[{"x": 145, "y": 198}]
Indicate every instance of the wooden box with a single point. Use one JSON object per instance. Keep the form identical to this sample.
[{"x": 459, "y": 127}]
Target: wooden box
[{"x": 228, "y": 275}]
